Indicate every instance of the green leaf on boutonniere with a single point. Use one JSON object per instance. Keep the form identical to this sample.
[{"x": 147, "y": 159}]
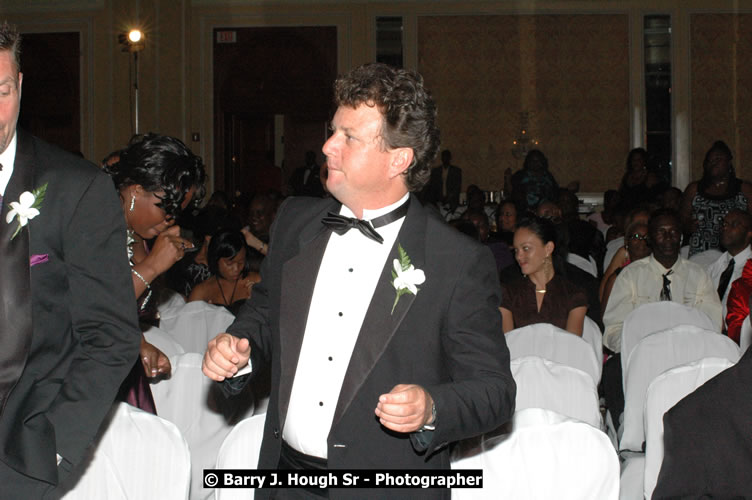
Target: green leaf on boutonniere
[{"x": 405, "y": 277}]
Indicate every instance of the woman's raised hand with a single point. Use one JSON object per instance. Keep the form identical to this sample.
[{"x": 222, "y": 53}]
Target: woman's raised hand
[{"x": 168, "y": 249}]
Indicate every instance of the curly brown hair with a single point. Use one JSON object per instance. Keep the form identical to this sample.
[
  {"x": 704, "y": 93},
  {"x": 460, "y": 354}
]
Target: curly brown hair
[
  {"x": 10, "y": 40},
  {"x": 408, "y": 109}
]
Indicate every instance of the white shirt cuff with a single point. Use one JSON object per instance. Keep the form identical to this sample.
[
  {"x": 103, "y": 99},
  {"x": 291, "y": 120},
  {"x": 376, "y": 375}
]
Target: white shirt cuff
[
  {"x": 244, "y": 371},
  {"x": 59, "y": 458}
]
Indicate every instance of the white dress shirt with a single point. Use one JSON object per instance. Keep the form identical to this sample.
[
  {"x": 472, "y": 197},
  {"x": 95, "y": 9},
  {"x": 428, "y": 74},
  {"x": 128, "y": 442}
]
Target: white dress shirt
[
  {"x": 716, "y": 269},
  {"x": 7, "y": 158},
  {"x": 641, "y": 283},
  {"x": 349, "y": 272}
]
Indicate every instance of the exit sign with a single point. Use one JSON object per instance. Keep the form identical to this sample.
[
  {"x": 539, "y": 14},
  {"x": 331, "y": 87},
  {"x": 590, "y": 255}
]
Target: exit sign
[{"x": 227, "y": 36}]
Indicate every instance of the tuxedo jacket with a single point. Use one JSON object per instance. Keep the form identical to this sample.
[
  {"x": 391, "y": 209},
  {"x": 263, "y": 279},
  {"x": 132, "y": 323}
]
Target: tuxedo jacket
[
  {"x": 82, "y": 315},
  {"x": 447, "y": 338},
  {"x": 707, "y": 439}
]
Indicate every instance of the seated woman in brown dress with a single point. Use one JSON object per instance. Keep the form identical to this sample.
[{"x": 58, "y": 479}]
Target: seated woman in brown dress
[{"x": 543, "y": 295}]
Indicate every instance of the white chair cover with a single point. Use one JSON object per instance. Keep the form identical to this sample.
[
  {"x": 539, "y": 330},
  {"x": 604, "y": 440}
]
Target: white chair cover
[
  {"x": 654, "y": 317},
  {"x": 657, "y": 353},
  {"x": 706, "y": 258},
  {"x": 138, "y": 455},
  {"x": 163, "y": 341},
  {"x": 554, "y": 344},
  {"x": 194, "y": 403},
  {"x": 664, "y": 392},
  {"x": 546, "y": 455},
  {"x": 612, "y": 247},
  {"x": 169, "y": 299},
  {"x": 588, "y": 265},
  {"x": 194, "y": 324},
  {"x": 630, "y": 481},
  {"x": 545, "y": 384},
  {"x": 240, "y": 450},
  {"x": 745, "y": 338},
  {"x": 592, "y": 334}
]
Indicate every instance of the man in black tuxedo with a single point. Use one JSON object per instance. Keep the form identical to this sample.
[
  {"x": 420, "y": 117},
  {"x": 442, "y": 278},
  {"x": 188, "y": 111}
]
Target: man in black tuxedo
[
  {"x": 445, "y": 183},
  {"x": 68, "y": 326},
  {"x": 376, "y": 362}
]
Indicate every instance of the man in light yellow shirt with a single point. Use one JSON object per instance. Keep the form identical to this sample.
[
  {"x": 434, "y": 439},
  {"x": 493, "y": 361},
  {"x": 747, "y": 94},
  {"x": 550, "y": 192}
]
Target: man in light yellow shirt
[{"x": 664, "y": 275}]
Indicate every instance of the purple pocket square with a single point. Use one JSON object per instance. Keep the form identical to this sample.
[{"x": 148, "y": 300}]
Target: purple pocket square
[{"x": 38, "y": 259}]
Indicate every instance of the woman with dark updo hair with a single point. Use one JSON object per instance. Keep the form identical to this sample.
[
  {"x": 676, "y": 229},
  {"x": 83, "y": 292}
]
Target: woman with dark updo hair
[
  {"x": 543, "y": 295},
  {"x": 156, "y": 177}
]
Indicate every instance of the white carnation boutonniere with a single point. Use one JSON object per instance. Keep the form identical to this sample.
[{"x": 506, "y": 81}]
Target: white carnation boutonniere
[
  {"x": 26, "y": 208},
  {"x": 405, "y": 278}
]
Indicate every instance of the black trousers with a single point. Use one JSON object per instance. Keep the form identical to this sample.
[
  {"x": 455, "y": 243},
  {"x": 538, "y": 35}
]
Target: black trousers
[
  {"x": 613, "y": 390},
  {"x": 292, "y": 459}
]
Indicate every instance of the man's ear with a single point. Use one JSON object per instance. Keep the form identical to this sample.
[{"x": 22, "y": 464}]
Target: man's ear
[{"x": 401, "y": 160}]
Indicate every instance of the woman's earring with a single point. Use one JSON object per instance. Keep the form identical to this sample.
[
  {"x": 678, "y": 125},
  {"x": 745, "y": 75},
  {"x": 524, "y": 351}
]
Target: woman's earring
[
  {"x": 548, "y": 267},
  {"x": 133, "y": 201}
]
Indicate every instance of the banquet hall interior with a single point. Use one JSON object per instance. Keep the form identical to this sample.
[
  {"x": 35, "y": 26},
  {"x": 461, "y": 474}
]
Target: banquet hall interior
[{"x": 247, "y": 86}]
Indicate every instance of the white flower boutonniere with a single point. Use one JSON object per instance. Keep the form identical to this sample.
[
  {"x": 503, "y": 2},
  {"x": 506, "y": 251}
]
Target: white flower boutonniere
[
  {"x": 405, "y": 277},
  {"x": 26, "y": 208}
]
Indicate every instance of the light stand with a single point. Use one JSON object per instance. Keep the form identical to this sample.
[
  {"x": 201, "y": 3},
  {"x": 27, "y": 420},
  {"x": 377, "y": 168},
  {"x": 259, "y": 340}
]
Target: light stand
[{"x": 133, "y": 42}]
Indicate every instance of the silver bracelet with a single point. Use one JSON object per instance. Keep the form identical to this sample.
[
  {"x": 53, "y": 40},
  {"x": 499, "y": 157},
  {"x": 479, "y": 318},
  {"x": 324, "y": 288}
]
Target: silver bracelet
[{"x": 138, "y": 275}]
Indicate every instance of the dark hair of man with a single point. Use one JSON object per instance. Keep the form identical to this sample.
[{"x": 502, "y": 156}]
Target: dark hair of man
[
  {"x": 734, "y": 184},
  {"x": 160, "y": 163},
  {"x": 745, "y": 216},
  {"x": 10, "y": 40},
  {"x": 663, "y": 212},
  {"x": 407, "y": 107},
  {"x": 226, "y": 244}
]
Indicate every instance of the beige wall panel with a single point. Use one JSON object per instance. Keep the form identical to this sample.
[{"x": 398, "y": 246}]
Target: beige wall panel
[
  {"x": 721, "y": 87},
  {"x": 569, "y": 72}
]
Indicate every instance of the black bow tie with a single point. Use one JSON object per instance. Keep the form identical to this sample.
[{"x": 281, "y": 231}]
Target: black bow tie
[{"x": 341, "y": 224}]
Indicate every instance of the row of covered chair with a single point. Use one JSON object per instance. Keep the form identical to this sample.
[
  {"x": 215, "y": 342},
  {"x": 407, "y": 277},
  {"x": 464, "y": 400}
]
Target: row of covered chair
[
  {"x": 555, "y": 445},
  {"x": 668, "y": 350}
]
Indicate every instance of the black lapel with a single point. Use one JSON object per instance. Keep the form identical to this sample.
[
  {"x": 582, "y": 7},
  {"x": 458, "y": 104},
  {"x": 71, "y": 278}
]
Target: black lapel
[
  {"x": 15, "y": 281},
  {"x": 298, "y": 281},
  {"x": 380, "y": 324}
]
